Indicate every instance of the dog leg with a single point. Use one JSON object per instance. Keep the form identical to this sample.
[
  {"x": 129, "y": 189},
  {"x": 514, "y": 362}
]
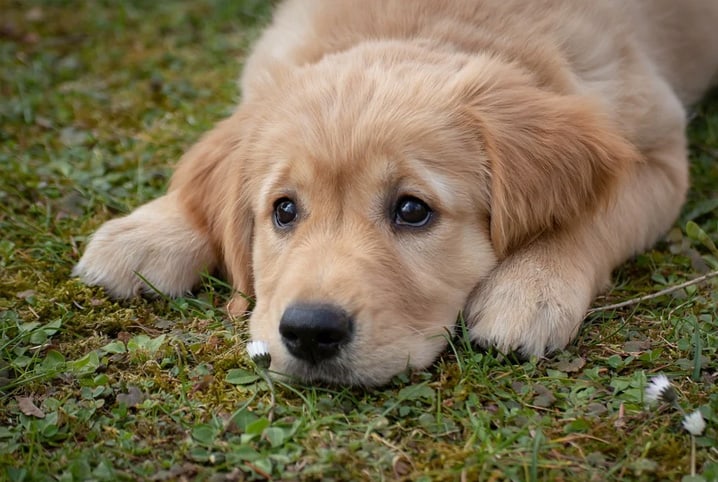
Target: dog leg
[
  {"x": 156, "y": 242},
  {"x": 535, "y": 300}
]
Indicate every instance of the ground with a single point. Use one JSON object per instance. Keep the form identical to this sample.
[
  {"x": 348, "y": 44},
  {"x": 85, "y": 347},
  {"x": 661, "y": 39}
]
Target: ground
[{"x": 97, "y": 101}]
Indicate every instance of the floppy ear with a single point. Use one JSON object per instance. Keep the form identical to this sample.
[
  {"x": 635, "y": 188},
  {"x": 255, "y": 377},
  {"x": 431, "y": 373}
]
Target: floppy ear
[
  {"x": 211, "y": 183},
  {"x": 552, "y": 157}
]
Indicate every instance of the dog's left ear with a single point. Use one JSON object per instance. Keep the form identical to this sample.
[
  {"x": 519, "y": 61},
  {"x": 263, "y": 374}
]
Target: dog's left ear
[{"x": 551, "y": 157}]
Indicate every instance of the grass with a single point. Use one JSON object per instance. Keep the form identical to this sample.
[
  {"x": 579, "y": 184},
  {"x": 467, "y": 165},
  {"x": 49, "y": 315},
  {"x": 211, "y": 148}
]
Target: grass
[{"x": 97, "y": 100}]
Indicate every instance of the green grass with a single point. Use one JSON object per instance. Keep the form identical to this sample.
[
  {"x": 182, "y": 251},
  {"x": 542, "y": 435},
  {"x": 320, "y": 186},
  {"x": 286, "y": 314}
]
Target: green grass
[{"x": 97, "y": 100}]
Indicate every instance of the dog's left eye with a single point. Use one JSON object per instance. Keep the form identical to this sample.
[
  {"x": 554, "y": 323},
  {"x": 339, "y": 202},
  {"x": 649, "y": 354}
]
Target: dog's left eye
[
  {"x": 411, "y": 211},
  {"x": 285, "y": 212}
]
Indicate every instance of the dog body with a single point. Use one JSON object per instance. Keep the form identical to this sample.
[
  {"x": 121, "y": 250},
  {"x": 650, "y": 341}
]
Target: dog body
[{"x": 395, "y": 162}]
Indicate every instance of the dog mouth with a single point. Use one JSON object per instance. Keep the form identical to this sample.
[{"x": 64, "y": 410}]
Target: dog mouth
[{"x": 337, "y": 371}]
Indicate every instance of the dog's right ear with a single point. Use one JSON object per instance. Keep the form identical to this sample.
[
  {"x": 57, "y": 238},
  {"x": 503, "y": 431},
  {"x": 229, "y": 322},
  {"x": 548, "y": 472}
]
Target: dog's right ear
[{"x": 211, "y": 182}]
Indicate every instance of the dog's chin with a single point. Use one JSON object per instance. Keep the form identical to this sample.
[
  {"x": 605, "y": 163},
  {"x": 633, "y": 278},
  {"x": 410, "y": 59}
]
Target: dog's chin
[{"x": 340, "y": 371}]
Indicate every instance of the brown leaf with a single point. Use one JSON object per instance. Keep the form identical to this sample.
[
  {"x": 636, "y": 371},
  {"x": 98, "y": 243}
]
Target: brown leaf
[
  {"x": 132, "y": 398},
  {"x": 202, "y": 383},
  {"x": 544, "y": 397},
  {"x": 596, "y": 408},
  {"x": 23, "y": 295},
  {"x": 28, "y": 407},
  {"x": 401, "y": 466},
  {"x": 570, "y": 366},
  {"x": 620, "y": 422},
  {"x": 186, "y": 471},
  {"x": 636, "y": 346}
]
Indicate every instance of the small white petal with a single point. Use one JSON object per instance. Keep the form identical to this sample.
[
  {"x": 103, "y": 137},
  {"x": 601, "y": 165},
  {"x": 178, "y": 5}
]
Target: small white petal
[
  {"x": 694, "y": 423},
  {"x": 657, "y": 387},
  {"x": 257, "y": 348}
]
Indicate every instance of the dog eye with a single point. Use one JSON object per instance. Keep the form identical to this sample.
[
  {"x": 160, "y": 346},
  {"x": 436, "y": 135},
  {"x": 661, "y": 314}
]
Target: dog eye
[
  {"x": 411, "y": 211},
  {"x": 285, "y": 212}
]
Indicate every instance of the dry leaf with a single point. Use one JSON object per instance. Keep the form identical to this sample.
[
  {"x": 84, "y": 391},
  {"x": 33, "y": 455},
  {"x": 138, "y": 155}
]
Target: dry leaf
[
  {"x": 544, "y": 397},
  {"x": 28, "y": 407},
  {"x": 132, "y": 398},
  {"x": 401, "y": 466},
  {"x": 570, "y": 366},
  {"x": 23, "y": 295},
  {"x": 636, "y": 346}
]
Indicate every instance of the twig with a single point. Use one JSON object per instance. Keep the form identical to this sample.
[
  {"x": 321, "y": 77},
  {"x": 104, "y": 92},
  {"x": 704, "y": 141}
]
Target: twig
[{"x": 657, "y": 294}]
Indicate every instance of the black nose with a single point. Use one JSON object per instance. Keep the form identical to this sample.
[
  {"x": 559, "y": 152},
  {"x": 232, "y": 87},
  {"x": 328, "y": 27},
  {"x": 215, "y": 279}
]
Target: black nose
[{"x": 315, "y": 331}]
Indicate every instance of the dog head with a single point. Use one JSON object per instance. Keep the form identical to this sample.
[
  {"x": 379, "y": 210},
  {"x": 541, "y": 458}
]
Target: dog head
[{"x": 361, "y": 199}]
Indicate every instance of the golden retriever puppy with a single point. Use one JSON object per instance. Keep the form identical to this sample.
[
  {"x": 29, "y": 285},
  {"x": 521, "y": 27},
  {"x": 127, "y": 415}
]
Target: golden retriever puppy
[{"x": 395, "y": 163}]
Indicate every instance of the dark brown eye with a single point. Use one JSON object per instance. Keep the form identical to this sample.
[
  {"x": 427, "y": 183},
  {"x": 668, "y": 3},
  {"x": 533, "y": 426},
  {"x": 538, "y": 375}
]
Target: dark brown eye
[
  {"x": 285, "y": 212},
  {"x": 411, "y": 211}
]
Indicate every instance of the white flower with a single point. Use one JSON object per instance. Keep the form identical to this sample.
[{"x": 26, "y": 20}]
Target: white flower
[
  {"x": 660, "y": 389},
  {"x": 694, "y": 423},
  {"x": 258, "y": 351},
  {"x": 257, "y": 348}
]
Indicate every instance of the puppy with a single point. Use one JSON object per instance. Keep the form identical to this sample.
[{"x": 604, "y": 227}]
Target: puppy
[{"x": 395, "y": 163}]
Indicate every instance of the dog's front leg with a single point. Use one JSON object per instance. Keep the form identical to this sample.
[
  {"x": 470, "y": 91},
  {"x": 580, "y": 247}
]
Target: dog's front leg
[
  {"x": 535, "y": 299},
  {"x": 156, "y": 247},
  {"x": 170, "y": 241}
]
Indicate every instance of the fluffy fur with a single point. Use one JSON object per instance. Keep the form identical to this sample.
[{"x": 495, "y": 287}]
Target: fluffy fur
[{"x": 547, "y": 137}]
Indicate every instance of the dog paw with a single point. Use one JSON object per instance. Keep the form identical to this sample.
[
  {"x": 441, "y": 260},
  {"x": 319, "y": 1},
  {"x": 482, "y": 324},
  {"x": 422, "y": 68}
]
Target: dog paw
[
  {"x": 154, "y": 249},
  {"x": 528, "y": 307}
]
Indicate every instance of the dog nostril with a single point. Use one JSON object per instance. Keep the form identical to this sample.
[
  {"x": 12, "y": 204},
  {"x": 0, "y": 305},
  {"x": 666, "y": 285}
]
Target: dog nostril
[
  {"x": 329, "y": 338},
  {"x": 315, "y": 332}
]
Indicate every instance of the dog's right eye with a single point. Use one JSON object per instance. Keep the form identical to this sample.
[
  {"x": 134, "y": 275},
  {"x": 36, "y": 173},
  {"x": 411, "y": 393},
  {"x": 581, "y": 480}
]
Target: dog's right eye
[
  {"x": 412, "y": 212},
  {"x": 285, "y": 212}
]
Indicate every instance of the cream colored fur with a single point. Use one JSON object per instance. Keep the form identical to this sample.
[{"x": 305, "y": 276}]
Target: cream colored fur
[{"x": 547, "y": 137}]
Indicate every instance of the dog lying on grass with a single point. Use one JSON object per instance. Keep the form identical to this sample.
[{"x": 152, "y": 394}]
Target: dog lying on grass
[{"x": 394, "y": 163}]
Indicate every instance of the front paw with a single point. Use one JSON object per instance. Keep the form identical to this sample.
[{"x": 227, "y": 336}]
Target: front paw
[
  {"x": 154, "y": 249},
  {"x": 528, "y": 306}
]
